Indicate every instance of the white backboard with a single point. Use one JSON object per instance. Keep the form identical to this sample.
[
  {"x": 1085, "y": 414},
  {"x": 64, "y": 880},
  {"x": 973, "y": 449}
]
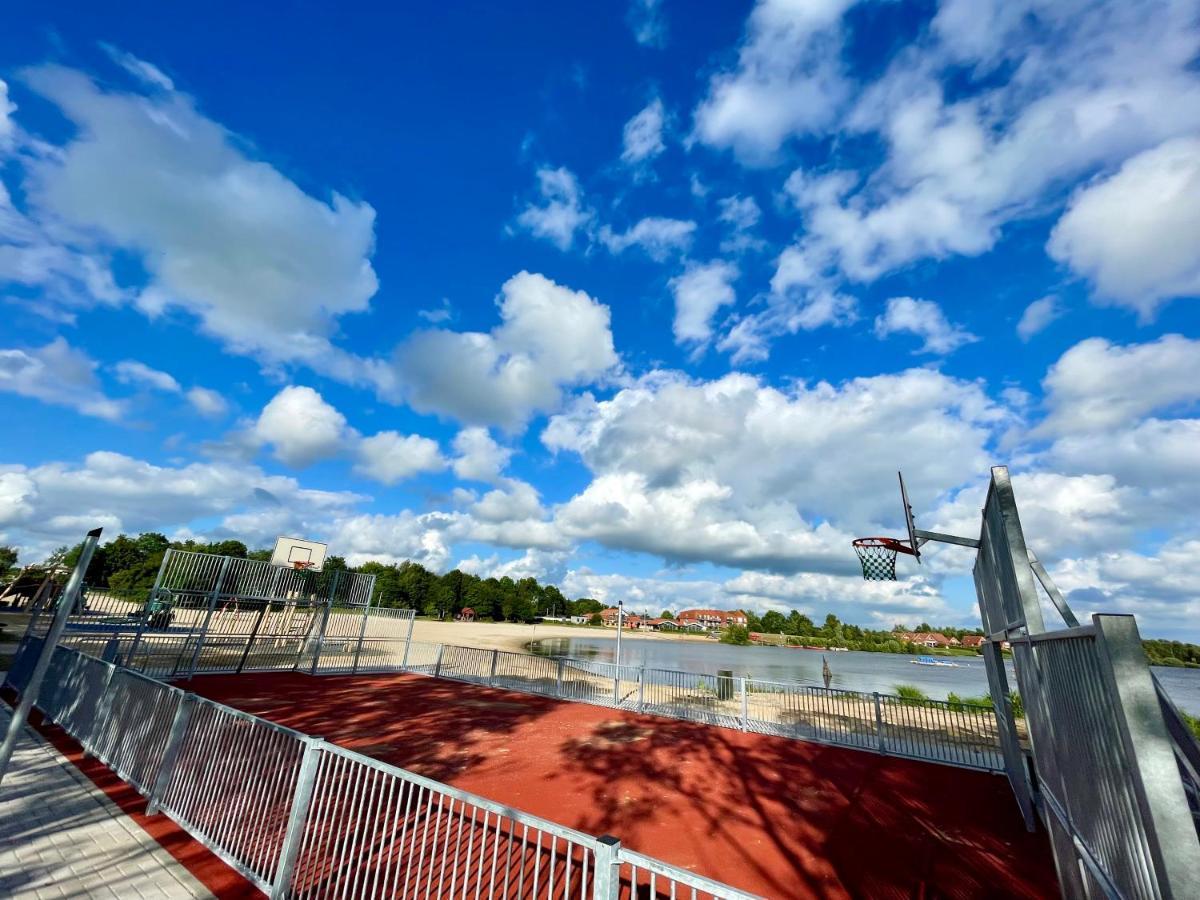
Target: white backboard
[{"x": 289, "y": 551}]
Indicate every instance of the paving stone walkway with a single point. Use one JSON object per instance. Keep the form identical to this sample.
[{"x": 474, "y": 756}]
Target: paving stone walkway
[{"x": 60, "y": 836}]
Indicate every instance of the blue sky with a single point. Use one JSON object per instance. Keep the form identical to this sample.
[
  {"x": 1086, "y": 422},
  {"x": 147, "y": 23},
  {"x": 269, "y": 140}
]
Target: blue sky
[{"x": 649, "y": 300}]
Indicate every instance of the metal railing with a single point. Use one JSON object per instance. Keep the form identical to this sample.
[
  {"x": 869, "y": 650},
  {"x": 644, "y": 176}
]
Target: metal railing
[
  {"x": 300, "y": 817},
  {"x": 932, "y": 730}
]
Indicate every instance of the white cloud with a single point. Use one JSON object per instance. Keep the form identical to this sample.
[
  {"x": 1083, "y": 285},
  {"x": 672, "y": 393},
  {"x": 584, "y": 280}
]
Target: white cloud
[
  {"x": 7, "y": 126},
  {"x": 562, "y": 212},
  {"x": 1038, "y": 315},
  {"x": 132, "y": 372},
  {"x": 207, "y": 402},
  {"x": 390, "y": 457},
  {"x": 925, "y": 319},
  {"x": 147, "y": 73},
  {"x": 646, "y": 21},
  {"x": 1098, "y": 385},
  {"x": 699, "y": 293},
  {"x": 1136, "y": 235},
  {"x": 265, "y": 268},
  {"x": 1084, "y": 86},
  {"x": 516, "y": 501},
  {"x": 642, "y": 138},
  {"x": 479, "y": 457},
  {"x": 797, "y": 309},
  {"x": 788, "y": 80},
  {"x": 59, "y": 374},
  {"x": 547, "y": 566},
  {"x": 301, "y": 427},
  {"x": 45, "y": 506},
  {"x": 550, "y": 338},
  {"x": 659, "y": 238},
  {"x": 735, "y": 472},
  {"x": 741, "y": 214}
]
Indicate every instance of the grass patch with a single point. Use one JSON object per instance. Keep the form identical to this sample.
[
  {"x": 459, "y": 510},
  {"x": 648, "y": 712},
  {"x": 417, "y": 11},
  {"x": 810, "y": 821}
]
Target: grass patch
[{"x": 911, "y": 695}]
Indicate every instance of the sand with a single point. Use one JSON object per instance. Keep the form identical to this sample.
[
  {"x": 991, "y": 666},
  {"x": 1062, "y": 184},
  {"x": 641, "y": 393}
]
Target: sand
[{"x": 511, "y": 636}]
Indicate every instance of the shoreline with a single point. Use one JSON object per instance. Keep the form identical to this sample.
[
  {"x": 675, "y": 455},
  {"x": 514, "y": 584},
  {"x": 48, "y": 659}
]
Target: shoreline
[{"x": 516, "y": 636}]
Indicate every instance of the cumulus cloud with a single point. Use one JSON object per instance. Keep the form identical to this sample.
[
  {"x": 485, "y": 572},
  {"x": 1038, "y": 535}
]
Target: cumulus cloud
[
  {"x": 736, "y": 472},
  {"x": 301, "y": 427},
  {"x": 699, "y": 293},
  {"x": 1134, "y": 235},
  {"x": 1097, "y": 385},
  {"x": 389, "y": 457},
  {"x": 479, "y": 457},
  {"x": 7, "y": 126},
  {"x": 207, "y": 402},
  {"x": 264, "y": 267},
  {"x": 562, "y": 212},
  {"x": 642, "y": 137},
  {"x": 1038, "y": 315},
  {"x": 787, "y": 81},
  {"x": 550, "y": 338},
  {"x": 740, "y": 215},
  {"x": 657, "y": 237},
  {"x": 58, "y": 374},
  {"x": 925, "y": 319}
]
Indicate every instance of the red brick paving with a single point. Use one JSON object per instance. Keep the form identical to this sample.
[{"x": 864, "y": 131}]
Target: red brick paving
[{"x": 769, "y": 815}]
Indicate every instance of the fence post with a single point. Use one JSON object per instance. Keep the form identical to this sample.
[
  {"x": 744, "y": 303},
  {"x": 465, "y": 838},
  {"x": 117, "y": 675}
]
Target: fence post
[
  {"x": 641, "y": 688},
  {"x": 745, "y": 688},
  {"x": 879, "y": 724},
  {"x": 437, "y": 666},
  {"x": 361, "y": 633},
  {"x": 320, "y": 639},
  {"x": 404, "y": 659},
  {"x": 492, "y": 674},
  {"x": 183, "y": 714},
  {"x": 212, "y": 606},
  {"x": 301, "y": 799},
  {"x": 606, "y": 883},
  {"x": 558, "y": 679}
]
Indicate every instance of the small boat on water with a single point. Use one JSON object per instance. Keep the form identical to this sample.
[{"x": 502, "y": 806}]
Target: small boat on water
[{"x": 932, "y": 661}]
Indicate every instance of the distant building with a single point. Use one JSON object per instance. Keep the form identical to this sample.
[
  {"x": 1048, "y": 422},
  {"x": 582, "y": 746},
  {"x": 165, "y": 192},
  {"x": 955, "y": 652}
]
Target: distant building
[
  {"x": 927, "y": 639},
  {"x": 710, "y": 619},
  {"x": 467, "y": 614},
  {"x": 973, "y": 641}
]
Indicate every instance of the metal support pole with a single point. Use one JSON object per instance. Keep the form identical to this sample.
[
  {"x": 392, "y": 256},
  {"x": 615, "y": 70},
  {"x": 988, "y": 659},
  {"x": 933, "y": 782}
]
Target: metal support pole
[
  {"x": 137, "y": 637},
  {"x": 362, "y": 630},
  {"x": 641, "y": 687},
  {"x": 879, "y": 724},
  {"x": 253, "y": 634},
  {"x": 404, "y": 659},
  {"x": 495, "y": 659},
  {"x": 301, "y": 800},
  {"x": 745, "y": 702},
  {"x": 166, "y": 768},
  {"x": 212, "y": 605},
  {"x": 65, "y": 605},
  {"x": 606, "y": 883},
  {"x": 558, "y": 679},
  {"x": 325, "y": 610},
  {"x": 437, "y": 666}
]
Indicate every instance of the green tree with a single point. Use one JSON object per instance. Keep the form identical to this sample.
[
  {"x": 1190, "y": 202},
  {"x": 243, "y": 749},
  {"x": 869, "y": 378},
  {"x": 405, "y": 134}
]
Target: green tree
[
  {"x": 800, "y": 625},
  {"x": 8, "y": 559},
  {"x": 735, "y": 634},
  {"x": 773, "y": 622},
  {"x": 596, "y": 619},
  {"x": 668, "y": 615}
]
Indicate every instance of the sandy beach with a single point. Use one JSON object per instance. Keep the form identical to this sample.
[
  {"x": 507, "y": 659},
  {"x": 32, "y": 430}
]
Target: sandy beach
[{"x": 512, "y": 636}]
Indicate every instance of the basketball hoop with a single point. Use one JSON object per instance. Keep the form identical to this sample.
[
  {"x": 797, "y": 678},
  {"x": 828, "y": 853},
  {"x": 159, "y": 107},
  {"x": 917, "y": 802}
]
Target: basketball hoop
[
  {"x": 302, "y": 566},
  {"x": 878, "y": 556}
]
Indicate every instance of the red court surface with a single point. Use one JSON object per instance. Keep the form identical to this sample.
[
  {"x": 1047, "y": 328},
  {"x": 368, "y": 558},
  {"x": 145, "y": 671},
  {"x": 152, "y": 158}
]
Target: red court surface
[{"x": 777, "y": 817}]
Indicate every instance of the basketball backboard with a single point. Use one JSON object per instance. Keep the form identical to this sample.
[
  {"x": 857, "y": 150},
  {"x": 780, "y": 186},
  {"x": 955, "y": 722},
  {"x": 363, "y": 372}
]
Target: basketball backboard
[
  {"x": 908, "y": 519},
  {"x": 297, "y": 553}
]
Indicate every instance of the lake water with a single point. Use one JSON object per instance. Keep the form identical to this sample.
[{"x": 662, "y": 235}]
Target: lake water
[{"x": 853, "y": 670}]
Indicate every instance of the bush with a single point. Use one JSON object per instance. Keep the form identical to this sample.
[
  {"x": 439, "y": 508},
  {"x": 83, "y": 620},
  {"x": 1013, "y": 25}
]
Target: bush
[
  {"x": 961, "y": 704},
  {"x": 736, "y": 634},
  {"x": 1193, "y": 723},
  {"x": 1018, "y": 705},
  {"x": 911, "y": 695},
  {"x": 595, "y": 619}
]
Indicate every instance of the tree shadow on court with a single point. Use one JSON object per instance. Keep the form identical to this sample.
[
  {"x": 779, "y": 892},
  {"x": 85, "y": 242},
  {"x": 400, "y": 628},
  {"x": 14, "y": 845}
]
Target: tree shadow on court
[
  {"x": 436, "y": 728},
  {"x": 789, "y": 818}
]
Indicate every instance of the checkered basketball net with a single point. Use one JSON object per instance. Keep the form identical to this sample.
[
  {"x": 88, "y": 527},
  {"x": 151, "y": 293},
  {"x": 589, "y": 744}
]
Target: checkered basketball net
[{"x": 878, "y": 557}]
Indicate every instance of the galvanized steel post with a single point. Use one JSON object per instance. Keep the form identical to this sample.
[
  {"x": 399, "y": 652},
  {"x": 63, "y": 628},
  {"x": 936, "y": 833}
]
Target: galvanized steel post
[
  {"x": 437, "y": 666},
  {"x": 297, "y": 817},
  {"x": 320, "y": 639},
  {"x": 879, "y": 724},
  {"x": 558, "y": 679},
  {"x": 641, "y": 687},
  {"x": 29, "y": 693},
  {"x": 606, "y": 884},
  {"x": 166, "y": 768},
  {"x": 98, "y": 725},
  {"x": 362, "y": 630},
  {"x": 404, "y": 658},
  {"x": 137, "y": 637},
  {"x": 212, "y": 605},
  {"x": 492, "y": 673},
  {"x": 745, "y": 690}
]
